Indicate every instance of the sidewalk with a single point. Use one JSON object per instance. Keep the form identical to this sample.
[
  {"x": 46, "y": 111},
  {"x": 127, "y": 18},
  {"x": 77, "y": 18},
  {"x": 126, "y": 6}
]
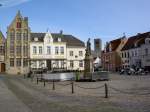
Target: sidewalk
[{"x": 9, "y": 102}]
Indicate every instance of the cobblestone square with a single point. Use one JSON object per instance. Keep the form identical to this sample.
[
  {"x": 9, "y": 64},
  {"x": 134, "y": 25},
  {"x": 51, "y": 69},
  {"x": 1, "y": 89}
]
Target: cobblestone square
[{"x": 126, "y": 94}]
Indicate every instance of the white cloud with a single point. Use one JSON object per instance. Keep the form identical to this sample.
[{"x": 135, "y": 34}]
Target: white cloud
[{"x": 10, "y": 3}]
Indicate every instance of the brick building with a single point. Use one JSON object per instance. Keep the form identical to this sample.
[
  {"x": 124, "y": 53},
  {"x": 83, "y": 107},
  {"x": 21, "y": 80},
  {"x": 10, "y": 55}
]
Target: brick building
[{"x": 111, "y": 59}]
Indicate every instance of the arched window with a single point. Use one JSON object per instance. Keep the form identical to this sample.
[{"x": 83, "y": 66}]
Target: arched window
[{"x": 147, "y": 41}]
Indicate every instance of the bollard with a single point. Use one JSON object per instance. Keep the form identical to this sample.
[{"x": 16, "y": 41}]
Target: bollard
[
  {"x": 72, "y": 87},
  {"x": 53, "y": 85},
  {"x": 37, "y": 81},
  {"x": 44, "y": 82},
  {"x": 106, "y": 91}
]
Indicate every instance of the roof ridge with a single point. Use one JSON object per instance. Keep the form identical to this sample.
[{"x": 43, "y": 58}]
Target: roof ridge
[{"x": 134, "y": 39}]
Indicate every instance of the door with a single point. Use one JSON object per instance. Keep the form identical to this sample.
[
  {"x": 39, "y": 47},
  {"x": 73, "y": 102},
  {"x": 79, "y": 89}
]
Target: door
[
  {"x": 49, "y": 65},
  {"x": 2, "y": 67}
]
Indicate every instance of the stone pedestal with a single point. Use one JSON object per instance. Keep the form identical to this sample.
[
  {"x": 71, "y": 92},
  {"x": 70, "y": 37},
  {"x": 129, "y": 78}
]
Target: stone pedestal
[
  {"x": 88, "y": 67},
  {"x": 88, "y": 62}
]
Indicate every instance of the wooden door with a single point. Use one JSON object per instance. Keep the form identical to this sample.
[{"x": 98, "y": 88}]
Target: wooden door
[{"x": 2, "y": 67}]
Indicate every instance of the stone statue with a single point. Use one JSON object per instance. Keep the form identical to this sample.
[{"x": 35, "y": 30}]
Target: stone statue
[
  {"x": 88, "y": 48},
  {"x": 88, "y": 61}
]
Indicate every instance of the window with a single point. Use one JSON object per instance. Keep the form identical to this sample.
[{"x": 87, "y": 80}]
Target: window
[
  {"x": 18, "y": 36},
  {"x": 40, "y": 49},
  {"x": 57, "y": 64},
  {"x": 146, "y": 52},
  {"x": 34, "y": 64},
  {"x": 41, "y": 64},
  {"x": 125, "y": 55},
  {"x": 11, "y": 62},
  {"x": 71, "y": 53},
  {"x": 11, "y": 50},
  {"x": 135, "y": 53},
  {"x": 35, "y": 39},
  {"x": 59, "y": 39},
  {"x": 18, "y": 25},
  {"x": 80, "y": 53},
  {"x": 25, "y": 50},
  {"x": 71, "y": 64},
  {"x": 2, "y": 50},
  {"x": 62, "y": 64},
  {"x": 81, "y": 63},
  {"x": 48, "y": 50},
  {"x": 12, "y": 36},
  {"x": 62, "y": 50},
  {"x": 25, "y": 37},
  {"x": 18, "y": 50},
  {"x": 132, "y": 53},
  {"x": 25, "y": 62},
  {"x": 18, "y": 62},
  {"x": 34, "y": 50},
  {"x": 128, "y": 54},
  {"x": 56, "y": 50}
]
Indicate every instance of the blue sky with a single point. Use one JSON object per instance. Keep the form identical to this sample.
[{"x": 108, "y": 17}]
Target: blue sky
[{"x": 105, "y": 19}]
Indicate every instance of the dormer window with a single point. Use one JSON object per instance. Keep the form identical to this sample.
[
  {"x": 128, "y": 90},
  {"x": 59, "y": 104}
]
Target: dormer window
[
  {"x": 35, "y": 39},
  {"x": 147, "y": 41},
  {"x": 59, "y": 39},
  {"x": 135, "y": 44}
]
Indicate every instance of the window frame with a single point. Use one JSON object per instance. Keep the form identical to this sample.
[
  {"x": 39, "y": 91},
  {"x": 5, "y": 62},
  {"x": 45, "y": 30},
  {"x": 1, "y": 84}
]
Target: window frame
[
  {"x": 71, "y": 53},
  {"x": 40, "y": 50},
  {"x": 62, "y": 50},
  {"x": 34, "y": 50},
  {"x": 56, "y": 50}
]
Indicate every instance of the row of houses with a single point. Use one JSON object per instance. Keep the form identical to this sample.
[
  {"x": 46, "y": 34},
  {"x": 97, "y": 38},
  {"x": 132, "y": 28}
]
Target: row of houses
[
  {"x": 127, "y": 52},
  {"x": 24, "y": 50}
]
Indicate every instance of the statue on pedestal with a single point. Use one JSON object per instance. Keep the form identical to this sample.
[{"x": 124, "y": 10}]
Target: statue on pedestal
[
  {"x": 88, "y": 48},
  {"x": 88, "y": 62}
]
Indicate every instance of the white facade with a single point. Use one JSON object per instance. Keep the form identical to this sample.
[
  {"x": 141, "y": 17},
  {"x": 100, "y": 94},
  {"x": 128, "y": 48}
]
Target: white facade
[
  {"x": 145, "y": 53},
  {"x": 135, "y": 58},
  {"x": 138, "y": 56},
  {"x": 54, "y": 55},
  {"x": 75, "y": 58},
  {"x": 131, "y": 57}
]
